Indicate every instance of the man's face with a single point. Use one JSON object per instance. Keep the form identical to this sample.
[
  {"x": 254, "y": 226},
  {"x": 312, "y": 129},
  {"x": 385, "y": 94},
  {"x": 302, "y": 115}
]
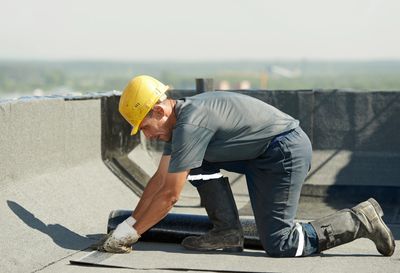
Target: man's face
[{"x": 156, "y": 127}]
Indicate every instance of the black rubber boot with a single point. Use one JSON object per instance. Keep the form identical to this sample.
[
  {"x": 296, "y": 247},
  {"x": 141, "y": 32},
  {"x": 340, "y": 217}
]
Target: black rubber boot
[
  {"x": 227, "y": 233},
  {"x": 361, "y": 221}
]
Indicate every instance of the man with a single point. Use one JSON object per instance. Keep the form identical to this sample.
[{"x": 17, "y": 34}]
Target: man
[{"x": 238, "y": 133}]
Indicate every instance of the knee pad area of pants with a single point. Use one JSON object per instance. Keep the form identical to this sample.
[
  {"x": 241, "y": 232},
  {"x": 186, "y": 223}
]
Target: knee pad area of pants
[{"x": 279, "y": 246}]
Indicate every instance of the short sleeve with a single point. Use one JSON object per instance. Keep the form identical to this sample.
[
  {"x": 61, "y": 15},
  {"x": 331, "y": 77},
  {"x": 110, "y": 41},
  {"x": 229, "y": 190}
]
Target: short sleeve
[
  {"x": 167, "y": 148},
  {"x": 189, "y": 144}
]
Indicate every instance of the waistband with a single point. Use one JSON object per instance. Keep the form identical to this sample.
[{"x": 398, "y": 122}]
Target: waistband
[{"x": 280, "y": 136}]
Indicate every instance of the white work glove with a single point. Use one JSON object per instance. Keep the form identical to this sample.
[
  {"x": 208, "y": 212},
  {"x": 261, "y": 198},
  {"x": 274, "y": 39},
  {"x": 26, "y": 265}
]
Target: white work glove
[{"x": 121, "y": 239}]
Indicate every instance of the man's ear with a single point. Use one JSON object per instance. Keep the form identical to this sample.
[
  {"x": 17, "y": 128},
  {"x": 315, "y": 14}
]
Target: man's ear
[{"x": 158, "y": 111}]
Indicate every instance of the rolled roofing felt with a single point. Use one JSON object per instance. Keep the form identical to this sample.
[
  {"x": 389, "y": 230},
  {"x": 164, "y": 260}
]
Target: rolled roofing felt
[{"x": 175, "y": 227}]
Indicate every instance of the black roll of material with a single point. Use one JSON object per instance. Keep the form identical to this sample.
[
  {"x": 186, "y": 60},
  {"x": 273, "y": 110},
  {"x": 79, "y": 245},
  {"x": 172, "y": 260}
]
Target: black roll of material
[{"x": 175, "y": 227}]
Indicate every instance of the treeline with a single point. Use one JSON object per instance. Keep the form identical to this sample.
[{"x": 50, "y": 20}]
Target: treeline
[{"x": 23, "y": 77}]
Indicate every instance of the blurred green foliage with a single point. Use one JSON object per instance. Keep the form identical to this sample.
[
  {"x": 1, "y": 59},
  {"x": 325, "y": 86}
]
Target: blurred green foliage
[{"x": 22, "y": 77}]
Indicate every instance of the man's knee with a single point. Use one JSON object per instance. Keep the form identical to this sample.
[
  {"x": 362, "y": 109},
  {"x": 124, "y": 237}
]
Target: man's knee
[
  {"x": 288, "y": 242},
  {"x": 277, "y": 248}
]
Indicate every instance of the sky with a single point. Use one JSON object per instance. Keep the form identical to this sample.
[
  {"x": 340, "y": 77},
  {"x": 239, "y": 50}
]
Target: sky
[{"x": 207, "y": 30}]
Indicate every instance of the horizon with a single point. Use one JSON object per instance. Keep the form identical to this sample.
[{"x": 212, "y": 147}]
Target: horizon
[
  {"x": 200, "y": 61},
  {"x": 48, "y": 77}
]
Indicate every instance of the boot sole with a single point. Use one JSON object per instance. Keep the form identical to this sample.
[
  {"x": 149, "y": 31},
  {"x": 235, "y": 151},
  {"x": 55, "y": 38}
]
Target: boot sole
[
  {"x": 379, "y": 211},
  {"x": 233, "y": 249}
]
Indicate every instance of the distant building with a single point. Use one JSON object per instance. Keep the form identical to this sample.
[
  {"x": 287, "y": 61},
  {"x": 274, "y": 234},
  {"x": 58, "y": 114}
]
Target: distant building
[
  {"x": 224, "y": 85},
  {"x": 264, "y": 80},
  {"x": 244, "y": 85},
  {"x": 38, "y": 92}
]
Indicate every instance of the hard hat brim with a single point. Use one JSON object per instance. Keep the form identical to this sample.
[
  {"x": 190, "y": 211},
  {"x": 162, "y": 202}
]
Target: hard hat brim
[{"x": 135, "y": 129}]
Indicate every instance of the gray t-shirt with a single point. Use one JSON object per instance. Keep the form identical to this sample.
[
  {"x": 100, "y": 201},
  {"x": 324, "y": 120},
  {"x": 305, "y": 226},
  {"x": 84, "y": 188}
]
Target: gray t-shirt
[{"x": 222, "y": 126}]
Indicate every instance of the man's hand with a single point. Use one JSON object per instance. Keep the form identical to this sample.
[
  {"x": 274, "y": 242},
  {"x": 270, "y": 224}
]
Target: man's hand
[{"x": 121, "y": 239}]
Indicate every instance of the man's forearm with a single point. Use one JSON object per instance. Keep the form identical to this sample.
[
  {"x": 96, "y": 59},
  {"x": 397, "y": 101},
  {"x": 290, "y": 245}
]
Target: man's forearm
[
  {"x": 160, "y": 205},
  {"x": 153, "y": 187},
  {"x": 161, "y": 202}
]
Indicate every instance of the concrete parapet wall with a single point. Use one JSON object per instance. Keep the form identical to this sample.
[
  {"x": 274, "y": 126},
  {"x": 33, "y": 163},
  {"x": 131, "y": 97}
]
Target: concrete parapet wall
[
  {"x": 354, "y": 134},
  {"x": 56, "y": 191},
  {"x": 41, "y": 135}
]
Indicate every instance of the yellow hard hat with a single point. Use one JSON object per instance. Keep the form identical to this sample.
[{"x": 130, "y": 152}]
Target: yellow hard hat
[{"x": 138, "y": 98}]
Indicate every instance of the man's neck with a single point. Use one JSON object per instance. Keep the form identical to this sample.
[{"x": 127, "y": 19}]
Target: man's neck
[{"x": 172, "y": 114}]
